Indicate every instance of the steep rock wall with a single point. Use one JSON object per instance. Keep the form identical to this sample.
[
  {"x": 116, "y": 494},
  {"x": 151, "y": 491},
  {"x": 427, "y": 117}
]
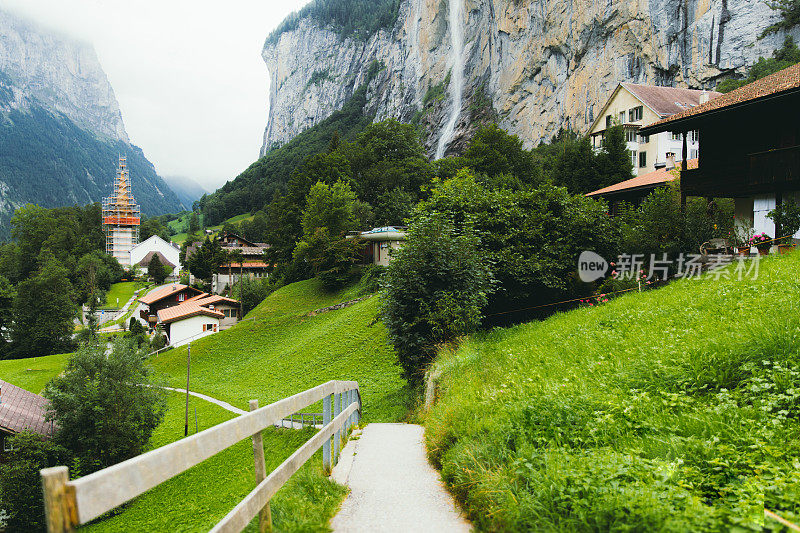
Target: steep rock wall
[{"x": 537, "y": 65}]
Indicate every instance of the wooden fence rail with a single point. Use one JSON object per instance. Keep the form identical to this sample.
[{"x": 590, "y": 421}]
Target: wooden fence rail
[{"x": 69, "y": 504}]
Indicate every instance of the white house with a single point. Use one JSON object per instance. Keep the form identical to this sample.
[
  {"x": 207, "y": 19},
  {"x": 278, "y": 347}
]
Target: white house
[
  {"x": 635, "y": 106},
  {"x": 169, "y": 253},
  {"x": 198, "y": 317}
]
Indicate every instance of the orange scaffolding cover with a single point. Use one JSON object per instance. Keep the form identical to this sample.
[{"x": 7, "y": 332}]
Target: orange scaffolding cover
[{"x": 130, "y": 221}]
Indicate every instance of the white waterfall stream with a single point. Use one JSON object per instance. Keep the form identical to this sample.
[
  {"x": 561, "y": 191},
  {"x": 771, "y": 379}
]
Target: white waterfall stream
[{"x": 456, "y": 21}]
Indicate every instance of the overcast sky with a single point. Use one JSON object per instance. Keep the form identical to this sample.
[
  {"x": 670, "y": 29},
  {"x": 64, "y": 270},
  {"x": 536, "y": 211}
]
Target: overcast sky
[{"x": 188, "y": 74}]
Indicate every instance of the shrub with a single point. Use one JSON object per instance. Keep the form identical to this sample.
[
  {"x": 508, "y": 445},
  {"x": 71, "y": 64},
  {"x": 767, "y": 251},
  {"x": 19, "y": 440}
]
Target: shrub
[
  {"x": 371, "y": 277},
  {"x": 787, "y": 216},
  {"x": 532, "y": 238},
  {"x": 104, "y": 406},
  {"x": 435, "y": 286},
  {"x": 20, "y": 496},
  {"x": 252, "y": 292}
]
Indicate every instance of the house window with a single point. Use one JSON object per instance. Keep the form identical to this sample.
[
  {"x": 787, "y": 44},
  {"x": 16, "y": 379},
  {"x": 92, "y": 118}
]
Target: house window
[
  {"x": 695, "y": 135},
  {"x": 635, "y": 114},
  {"x": 608, "y": 121},
  {"x": 642, "y": 159},
  {"x": 622, "y": 117},
  {"x": 7, "y": 447},
  {"x": 181, "y": 297},
  {"x": 692, "y": 154},
  {"x": 644, "y": 139},
  {"x": 633, "y": 157},
  {"x": 631, "y": 136},
  {"x": 210, "y": 327}
]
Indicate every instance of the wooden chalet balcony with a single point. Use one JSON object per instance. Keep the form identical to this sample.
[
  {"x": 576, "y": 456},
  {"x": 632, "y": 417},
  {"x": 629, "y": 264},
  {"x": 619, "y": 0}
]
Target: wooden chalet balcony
[{"x": 754, "y": 173}]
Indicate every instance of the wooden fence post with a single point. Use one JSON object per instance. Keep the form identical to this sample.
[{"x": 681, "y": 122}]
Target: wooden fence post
[
  {"x": 326, "y": 447},
  {"x": 59, "y": 503},
  {"x": 337, "y": 437},
  {"x": 265, "y": 516}
]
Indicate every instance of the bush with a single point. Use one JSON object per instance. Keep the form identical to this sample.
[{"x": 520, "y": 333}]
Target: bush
[
  {"x": 787, "y": 216},
  {"x": 371, "y": 277},
  {"x": 436, "y": 286},
  {"x": 252, "y": 292},
  {"x": 532, "y": 238},
  {"x": 104, "y": 406},
  {"x": 20, "y": 495},
  {"x": 159, "y": 341}
]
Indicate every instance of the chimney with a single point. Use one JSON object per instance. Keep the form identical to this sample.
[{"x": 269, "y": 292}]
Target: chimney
[
  {"x": 670, "y": 160},
  {"x": 703, "y": 97},
  {"x": 659, "y": 166}
]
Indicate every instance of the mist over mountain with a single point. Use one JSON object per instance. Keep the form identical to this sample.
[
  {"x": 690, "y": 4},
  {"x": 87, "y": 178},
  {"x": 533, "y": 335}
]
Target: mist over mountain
[{"x": 61, "y": 130}]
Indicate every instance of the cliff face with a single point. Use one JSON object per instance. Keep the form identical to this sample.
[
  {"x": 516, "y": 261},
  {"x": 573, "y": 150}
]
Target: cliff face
[
  {"x": 61, "y": 130},
  {"x": 533, "y": 65},
  {"x": 60, "y": 74}
]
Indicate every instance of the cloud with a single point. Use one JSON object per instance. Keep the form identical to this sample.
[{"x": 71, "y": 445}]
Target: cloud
[{"x": 188, "y": 75}]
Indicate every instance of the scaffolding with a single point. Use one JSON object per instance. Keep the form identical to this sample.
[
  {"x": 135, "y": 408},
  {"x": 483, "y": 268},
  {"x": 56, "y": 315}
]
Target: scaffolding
[{"x": 121, "y": 217}]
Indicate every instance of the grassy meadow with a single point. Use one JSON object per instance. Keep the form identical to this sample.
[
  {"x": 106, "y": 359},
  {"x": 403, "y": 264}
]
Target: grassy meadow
[
  {"x": 276, "y": 352},
  {"x": 122, "y": 291},
  {"x": 671, "y": 410},
  {"x": 32, "y": 374}
]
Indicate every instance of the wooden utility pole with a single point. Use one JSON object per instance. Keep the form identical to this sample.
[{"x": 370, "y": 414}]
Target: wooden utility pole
[{"x": 188, "y": 363}]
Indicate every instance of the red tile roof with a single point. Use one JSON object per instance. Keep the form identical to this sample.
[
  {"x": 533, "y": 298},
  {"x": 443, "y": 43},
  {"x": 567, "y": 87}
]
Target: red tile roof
[
  {"x": 163, "y": 292},
  {"x": 215, "y": 299},
  {"x": 652, "y": 179},
  {"x": 21, "y": 410},
  {"x": 667, "y": 101},
  {"x": 783, "y": 80},
  {"x": 184, "y": 311}
]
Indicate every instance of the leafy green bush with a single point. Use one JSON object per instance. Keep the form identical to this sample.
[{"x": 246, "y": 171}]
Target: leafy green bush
[
  {"x": 104, "y": 406},
  {"x": 436, "y": 286},
  {"x": 532, "y": 238},
  {"x": 252, "y": 291},
  {"x": 20, "y": 495},
  {"x": 787, "y": 217},
  {"x": 371, "y": 277}
]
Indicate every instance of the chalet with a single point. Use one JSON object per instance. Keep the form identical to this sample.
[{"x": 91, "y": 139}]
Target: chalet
[
  {"x": 635, "y": 106},
  {"x": 380, "y": 242},
  {"x": 634, "y": 190},
  {"x": 168, "y": 253},
  {"x": 164, "y": 298},
  {"x": 252, "y": 266},
  {"x": 198, "y": 317},
  {"x": 20, "y": 411},
  {"x": 750, "y": 147}
]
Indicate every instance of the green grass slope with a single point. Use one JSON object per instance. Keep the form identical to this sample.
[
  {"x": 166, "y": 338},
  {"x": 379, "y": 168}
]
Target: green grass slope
[
  {"x": 278, "y": 351},
  {"x": 200, "y": 497},
  {"x": 32, "y": 374},
  {"x": 671, "y": 410}
]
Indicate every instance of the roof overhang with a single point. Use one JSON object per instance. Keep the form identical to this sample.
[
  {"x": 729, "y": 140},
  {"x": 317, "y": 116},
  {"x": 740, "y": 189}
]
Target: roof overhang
[{"x": 691, "y": 122}]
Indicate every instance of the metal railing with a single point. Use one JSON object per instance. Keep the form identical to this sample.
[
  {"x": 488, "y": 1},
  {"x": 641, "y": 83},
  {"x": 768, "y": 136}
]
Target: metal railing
[{"x": 69, "y": 504}]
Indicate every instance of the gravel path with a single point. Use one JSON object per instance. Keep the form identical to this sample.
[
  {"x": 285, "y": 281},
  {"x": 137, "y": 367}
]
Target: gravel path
[{"x": 393, "y": 487}]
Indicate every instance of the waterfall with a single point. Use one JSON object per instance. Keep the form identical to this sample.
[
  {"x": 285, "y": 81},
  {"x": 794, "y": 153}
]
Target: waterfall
[{"x": 456, "y": 74}]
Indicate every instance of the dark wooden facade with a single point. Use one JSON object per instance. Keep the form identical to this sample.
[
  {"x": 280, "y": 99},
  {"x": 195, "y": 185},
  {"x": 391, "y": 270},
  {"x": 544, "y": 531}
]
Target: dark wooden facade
[{"x": 747, "y": 148}]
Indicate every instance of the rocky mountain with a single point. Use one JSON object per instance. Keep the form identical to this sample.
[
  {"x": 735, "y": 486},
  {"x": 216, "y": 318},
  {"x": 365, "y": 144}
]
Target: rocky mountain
[
  {"x": 534, "y": 66},
  {"x": 61, "y": 130}
]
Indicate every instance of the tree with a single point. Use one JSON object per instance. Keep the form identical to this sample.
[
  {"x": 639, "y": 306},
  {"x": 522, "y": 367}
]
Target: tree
[
  {"x": 105, "y": 407},
  {"x": 7, "y": 296},
  {"x": 44, "y": 311},
  {"x": 436, "y": 286},
  {"x": 493, "y": 152},
  {"x": 153, "y": 226},
  {"x": 20, "y": 479},
  {"x": 157, "y": 270},
  {"x": 205, "y": 262},
  {"x": 194, "y": 223},
  {"x": 614, "y": 160},
  {"x": 532, "y": 238}
]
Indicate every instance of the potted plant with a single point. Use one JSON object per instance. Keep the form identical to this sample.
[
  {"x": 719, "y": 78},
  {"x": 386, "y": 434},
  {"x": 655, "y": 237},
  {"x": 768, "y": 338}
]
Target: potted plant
[
  {"x": 763, "y": 242},
  {"x": 787, "y": 217},
  {"x": 743, "y": 235}
]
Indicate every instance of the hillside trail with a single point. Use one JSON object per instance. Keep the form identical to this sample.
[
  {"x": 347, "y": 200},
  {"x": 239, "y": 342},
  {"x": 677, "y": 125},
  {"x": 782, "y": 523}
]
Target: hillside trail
[{"x": 392, "y": 485}]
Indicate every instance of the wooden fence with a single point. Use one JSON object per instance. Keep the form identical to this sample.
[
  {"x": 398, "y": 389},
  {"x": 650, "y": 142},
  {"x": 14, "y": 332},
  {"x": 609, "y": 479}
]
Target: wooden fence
[{"x": 69, "y": 504}]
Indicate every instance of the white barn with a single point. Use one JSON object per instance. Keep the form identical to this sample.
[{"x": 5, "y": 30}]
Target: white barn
[{"x": 155, "y": 244}]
